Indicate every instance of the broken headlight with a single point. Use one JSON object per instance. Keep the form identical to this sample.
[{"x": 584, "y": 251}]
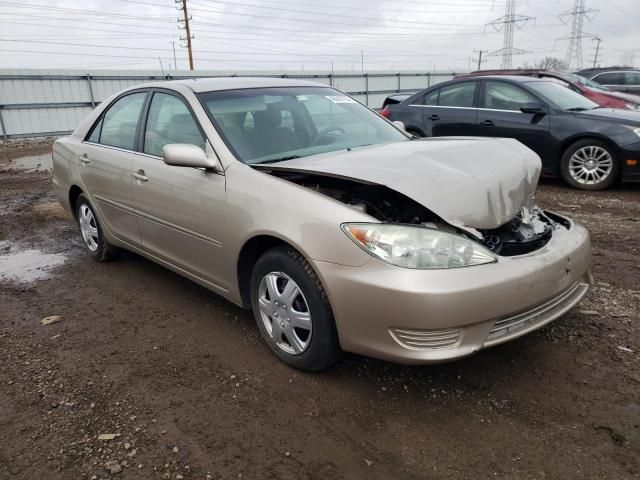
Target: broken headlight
[{"x": 417, "y": 247}]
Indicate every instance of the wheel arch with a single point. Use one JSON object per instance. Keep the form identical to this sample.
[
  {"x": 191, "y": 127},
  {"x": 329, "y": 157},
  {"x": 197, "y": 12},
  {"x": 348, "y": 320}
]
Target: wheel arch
[
  {"x": 250, "y": 252},
  {"x": 414, "y": 129},
  {"x": 74, "y": 192},
  {"x": 567, "y": 143}
]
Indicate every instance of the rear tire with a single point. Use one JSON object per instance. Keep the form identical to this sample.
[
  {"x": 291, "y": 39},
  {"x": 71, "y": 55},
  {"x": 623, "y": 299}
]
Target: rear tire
[
  {"x": 91, "y": 230},
  {"x": 292, "y": 310},
  {"x": 590, "y": 164}
]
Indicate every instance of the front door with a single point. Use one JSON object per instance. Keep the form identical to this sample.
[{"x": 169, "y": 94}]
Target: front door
[
  {"x": 180, "y": 210},
  {"x": 499, "y": 115},
  {"x": 105, "y": 160}
]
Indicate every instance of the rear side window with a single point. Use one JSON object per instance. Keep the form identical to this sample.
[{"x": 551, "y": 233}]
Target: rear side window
[
  {"x": 431, "y": 98},
  {"x": 117, "y": 128},
  {"x": 170, "y": 121},
  {"x": 612, "y": 78},
  {"x": 457, "y": 95},
  {"x": 632, "y": 78}
]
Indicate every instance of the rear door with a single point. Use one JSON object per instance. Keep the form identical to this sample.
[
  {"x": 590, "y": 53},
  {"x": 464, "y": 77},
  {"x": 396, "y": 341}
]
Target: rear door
[
  {"x": 499, "y": 115},
  {"x": 180, "y": 210},
  {"x": 632, "y": 82},
  {"x": 451, "y": 110},
  {"x": 612, "y": 80},
  {"x": 105, "y": 160}
]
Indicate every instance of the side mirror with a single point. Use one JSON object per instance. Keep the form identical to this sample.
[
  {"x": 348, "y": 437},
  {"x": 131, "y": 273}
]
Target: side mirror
[
  {"x": 533, "y": 108},
  {"x": 400, "y": 125},
  {"x": 186, "y": 155}
]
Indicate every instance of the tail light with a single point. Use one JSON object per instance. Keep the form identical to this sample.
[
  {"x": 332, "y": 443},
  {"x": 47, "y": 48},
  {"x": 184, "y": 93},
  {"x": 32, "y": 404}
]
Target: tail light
[{"x": 385, "y": 112}]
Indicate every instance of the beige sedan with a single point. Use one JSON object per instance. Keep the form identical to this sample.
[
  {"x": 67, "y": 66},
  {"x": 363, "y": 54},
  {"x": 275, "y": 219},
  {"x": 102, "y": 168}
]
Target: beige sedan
[{"x": 339, "y": 230}]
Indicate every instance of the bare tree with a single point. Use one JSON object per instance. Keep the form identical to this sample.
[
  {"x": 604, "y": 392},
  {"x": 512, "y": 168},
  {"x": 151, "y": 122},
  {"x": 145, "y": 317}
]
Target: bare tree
[{"x": 549, "y": 63}]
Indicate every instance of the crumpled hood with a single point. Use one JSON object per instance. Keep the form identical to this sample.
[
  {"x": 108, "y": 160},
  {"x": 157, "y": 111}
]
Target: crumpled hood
[{"x": 478, "y": 183}]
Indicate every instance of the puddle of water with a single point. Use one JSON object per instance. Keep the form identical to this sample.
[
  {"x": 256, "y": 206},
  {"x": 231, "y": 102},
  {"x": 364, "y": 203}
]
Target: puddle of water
[
  {"x": 33, "y": 163},
  {"x": 28, "y": 265}
]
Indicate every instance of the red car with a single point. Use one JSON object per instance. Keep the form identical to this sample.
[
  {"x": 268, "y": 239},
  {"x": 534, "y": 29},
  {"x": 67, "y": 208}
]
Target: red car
[{"x": 590, "y": 89}]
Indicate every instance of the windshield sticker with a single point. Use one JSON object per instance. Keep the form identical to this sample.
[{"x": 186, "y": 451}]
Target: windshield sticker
[{"x": 340, "y": 99}]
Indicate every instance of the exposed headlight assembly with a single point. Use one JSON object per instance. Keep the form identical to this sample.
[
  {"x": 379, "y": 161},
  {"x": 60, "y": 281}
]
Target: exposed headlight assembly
[{"x": 417, "y": 247}]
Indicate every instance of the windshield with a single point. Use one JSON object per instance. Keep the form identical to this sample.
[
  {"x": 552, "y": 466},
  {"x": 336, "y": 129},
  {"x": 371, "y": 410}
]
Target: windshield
[
  {"x": 586, "y": 82},
  {"x": 263, "y": 125},
  {"x": 561, "y": 97}
]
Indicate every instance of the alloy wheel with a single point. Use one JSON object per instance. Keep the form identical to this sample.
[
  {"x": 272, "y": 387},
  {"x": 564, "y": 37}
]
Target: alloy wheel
[
  {"x": 590, "y": 165},
  {"x": 88, "y": 227},
  {"x": 285, "y": 313}
]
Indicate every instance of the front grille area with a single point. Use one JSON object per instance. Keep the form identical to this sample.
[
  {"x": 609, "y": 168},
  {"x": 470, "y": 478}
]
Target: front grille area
[
  {"x": 427, "y": 339},
  {"x": 540, "y": 313}
]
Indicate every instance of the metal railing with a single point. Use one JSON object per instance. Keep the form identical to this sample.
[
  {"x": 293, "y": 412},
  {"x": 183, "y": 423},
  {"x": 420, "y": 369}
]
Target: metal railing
[{"x": 21, "y": 118}]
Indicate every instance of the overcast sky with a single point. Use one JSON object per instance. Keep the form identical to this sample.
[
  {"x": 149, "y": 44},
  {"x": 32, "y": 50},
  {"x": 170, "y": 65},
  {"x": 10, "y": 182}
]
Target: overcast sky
[{"x": 240, "y": 35}]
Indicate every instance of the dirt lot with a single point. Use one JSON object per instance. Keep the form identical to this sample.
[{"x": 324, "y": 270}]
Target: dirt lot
[{"x": 182, "y": 379}]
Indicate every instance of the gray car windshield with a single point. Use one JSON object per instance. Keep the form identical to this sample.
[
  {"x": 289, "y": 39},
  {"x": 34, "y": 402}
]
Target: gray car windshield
[
  {"x": 561, "y": 96},
  {"x": 262, "y": 125}
]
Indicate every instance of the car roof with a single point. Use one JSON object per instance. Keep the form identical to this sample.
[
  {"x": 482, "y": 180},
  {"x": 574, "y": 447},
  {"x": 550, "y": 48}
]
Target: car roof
[
  {"x": 588, "y": 71},
  {"x": 514, "y": 78},
  {"x": 206, "y": 84}
]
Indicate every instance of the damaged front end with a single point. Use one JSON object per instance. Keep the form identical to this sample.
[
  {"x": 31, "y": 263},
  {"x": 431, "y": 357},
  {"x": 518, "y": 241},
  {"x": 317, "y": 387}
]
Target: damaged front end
[{"x": 527, "y": 232}]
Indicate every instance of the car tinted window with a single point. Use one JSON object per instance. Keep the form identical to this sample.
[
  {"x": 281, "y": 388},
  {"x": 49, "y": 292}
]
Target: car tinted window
[
  {"x": 504, "y": 96},
  {"x": 457, "y": 95},
  {"x": 169, "y": 121},
  {"x": 611, "y": 78},
  {"x": 120, "y": 121},
  {"x": 632, "y": 78},
  {"x": 431, "y": 98}
]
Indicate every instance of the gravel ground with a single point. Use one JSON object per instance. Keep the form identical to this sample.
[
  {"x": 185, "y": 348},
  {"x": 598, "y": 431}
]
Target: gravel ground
[{"x": 146, "y": 375}]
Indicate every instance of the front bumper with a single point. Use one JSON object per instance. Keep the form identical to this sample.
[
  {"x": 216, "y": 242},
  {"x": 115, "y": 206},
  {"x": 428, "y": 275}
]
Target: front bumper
[
  {"x": 429, "y": 316},
  {"x": 630, "y": 160}
]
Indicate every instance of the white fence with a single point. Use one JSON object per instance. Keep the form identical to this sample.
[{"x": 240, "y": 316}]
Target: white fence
[{"x": 53, "y": 102}]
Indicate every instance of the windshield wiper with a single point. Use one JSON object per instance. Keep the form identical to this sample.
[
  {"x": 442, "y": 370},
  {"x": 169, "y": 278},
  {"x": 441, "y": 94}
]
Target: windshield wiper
[
  {"x": 579, "y": 109},
  {"x": 276, "y": 160}
]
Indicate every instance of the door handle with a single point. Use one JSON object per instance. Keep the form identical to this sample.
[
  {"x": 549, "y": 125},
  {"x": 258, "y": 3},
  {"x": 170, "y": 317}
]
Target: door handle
[
  {"x": 139, "y": 175},
  {"x": 84, "y": 159},
  {"x": 487, "y": 123},
  {"x": 434, "y": 117}
]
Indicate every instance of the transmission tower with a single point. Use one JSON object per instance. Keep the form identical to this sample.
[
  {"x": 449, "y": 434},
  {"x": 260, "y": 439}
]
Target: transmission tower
[
  {"x": 508, "y": 23},
  {"x": 577, "y": 15}
]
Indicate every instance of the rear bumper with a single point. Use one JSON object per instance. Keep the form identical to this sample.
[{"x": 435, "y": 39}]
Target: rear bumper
[{"x": 429, "y": 316}]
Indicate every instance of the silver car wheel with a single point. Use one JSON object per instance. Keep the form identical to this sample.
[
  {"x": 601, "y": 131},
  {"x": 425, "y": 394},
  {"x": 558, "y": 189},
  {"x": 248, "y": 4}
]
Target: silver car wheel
[
  {"x": 590, "y": 165},
  {"x": 88, "y": 227},
  {"x": 285, "y": 313}
]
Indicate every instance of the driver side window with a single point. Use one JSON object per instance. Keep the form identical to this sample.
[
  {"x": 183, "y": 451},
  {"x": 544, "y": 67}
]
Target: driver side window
[
  {"x": 170, "y": 121},
  {"x": 504, "y": 96}
]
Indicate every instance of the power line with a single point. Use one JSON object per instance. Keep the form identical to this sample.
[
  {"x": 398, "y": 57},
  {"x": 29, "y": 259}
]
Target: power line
[{"x": 507, "y": 23}]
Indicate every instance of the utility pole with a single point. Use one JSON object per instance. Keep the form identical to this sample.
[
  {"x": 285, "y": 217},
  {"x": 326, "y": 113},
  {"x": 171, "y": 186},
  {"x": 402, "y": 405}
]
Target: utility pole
[
  {"x": 577, "y": 14},
  {"x": 508, "y": 23},
  {"x": 362, "y": 60},
  {"x": 182, "y": 5},
  {"x": 595, "y": 57},
  {"x": 480, "y": 60},
  {"x": 175, "y": 63}
]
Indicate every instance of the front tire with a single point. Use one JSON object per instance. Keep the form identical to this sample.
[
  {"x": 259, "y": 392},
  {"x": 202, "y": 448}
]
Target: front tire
[
  {"x": 292, "y": 311},
  {"x": 590, "y": 164},
  {"x": 91, "y": 230}
]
